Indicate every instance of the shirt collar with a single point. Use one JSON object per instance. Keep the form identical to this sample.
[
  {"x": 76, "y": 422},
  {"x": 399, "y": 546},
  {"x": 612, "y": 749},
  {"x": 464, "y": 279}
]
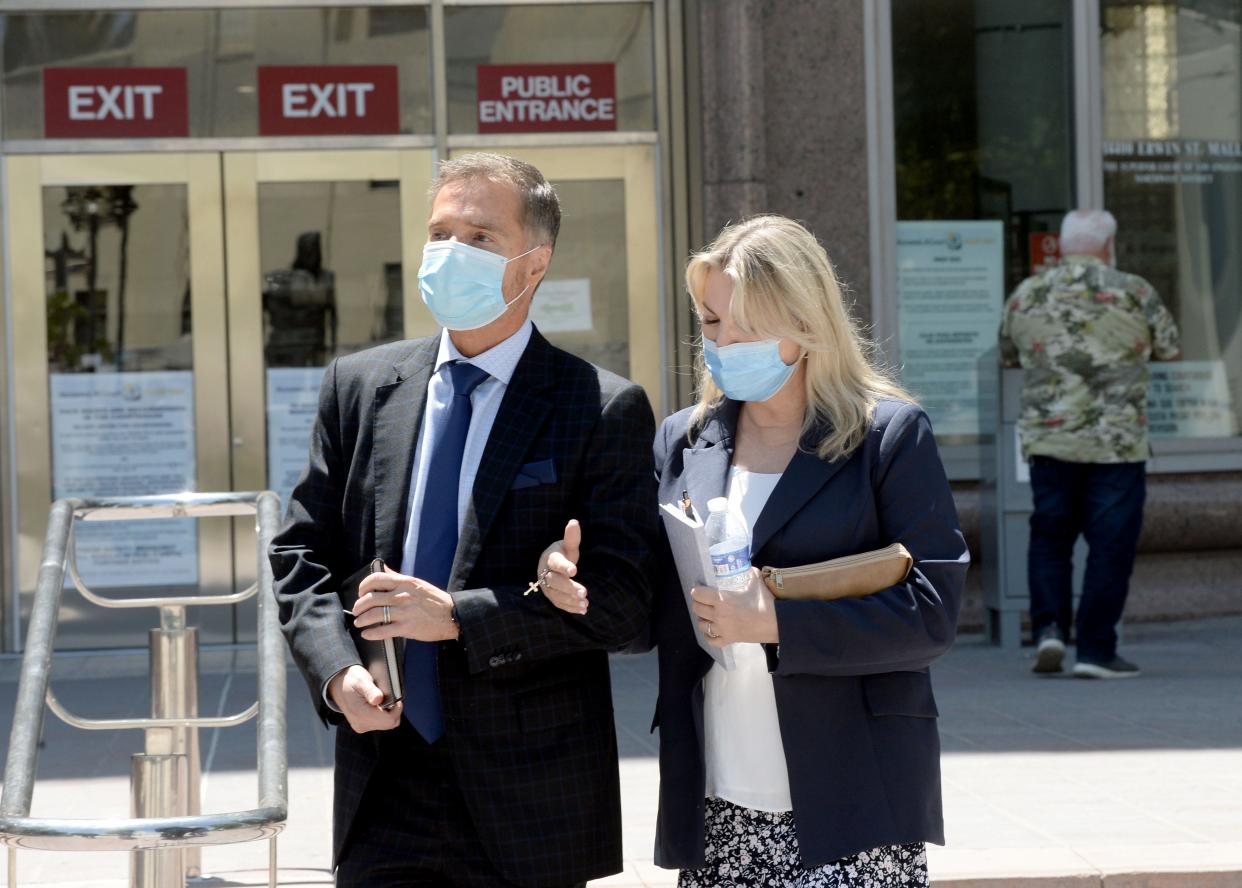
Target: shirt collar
[{"x": 499, "y": 361}]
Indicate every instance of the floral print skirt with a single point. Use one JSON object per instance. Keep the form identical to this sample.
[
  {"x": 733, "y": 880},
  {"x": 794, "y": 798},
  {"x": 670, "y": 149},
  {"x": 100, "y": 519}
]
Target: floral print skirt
[{"x": 758, "y": 849}]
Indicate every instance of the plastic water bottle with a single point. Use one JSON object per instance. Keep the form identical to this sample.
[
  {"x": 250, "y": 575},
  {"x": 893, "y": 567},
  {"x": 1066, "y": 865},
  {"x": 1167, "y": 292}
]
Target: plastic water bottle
[{"x": 728, "y": 544}]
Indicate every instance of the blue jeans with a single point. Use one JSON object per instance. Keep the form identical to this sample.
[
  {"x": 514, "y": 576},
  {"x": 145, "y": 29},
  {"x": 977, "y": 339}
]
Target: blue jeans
[{"x": 1104, "y": 502}]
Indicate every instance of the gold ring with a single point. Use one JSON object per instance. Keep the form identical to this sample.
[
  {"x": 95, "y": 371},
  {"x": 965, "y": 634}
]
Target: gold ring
[
  {"x": 711, "y": 631},
  {"x": 387, "y": 615}
]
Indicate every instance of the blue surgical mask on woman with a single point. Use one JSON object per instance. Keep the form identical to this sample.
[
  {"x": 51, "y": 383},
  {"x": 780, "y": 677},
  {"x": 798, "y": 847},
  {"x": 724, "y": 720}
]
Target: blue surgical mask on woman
[
  {"x": 748, "y": 371},
  {"x": 461, "y": 284}
]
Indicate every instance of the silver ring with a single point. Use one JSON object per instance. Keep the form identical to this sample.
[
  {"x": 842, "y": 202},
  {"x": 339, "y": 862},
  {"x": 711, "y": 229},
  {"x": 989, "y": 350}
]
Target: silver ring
[
  {"x": 387, "y": 615},
  {"x": 543, "y": 577}
]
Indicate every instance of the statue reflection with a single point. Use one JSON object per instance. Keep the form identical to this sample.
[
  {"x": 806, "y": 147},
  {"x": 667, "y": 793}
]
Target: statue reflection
[{"x": 299, "y": 309}]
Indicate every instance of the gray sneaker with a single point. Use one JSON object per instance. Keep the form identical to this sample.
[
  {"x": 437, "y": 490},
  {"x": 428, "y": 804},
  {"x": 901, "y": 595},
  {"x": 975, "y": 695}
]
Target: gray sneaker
[
  {"x": 1049, "y": 651},
  {"x": 1117, "y": 667}
]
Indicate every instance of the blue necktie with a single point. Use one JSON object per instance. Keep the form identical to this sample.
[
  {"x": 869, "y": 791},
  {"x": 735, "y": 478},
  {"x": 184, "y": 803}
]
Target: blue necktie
[{"x": 437, "y": 545}]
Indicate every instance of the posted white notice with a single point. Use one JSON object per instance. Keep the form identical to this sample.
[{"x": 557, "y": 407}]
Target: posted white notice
[
  {"x": 1190, "y": 399},
  {"x": 127, "y": 434},
  {"x": 563, "y": 306},
  {"x": 950, "y": 294},
  {"x": 292, "y": 402}
]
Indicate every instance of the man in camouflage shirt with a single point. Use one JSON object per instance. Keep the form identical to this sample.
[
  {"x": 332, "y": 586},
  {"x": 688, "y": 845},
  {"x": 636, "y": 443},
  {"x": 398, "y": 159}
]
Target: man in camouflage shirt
[{"x": 1085, "y": 332}]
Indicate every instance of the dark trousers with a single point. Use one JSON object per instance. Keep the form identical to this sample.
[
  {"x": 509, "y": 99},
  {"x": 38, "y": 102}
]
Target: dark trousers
[
  {"x": 1104, "y": 502},
  {"x": 412, "y": 827}
]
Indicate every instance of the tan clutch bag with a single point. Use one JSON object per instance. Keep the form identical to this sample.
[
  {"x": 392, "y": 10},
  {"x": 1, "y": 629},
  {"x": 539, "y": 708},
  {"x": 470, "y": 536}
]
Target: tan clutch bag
[{"x": 850, "y": 577}]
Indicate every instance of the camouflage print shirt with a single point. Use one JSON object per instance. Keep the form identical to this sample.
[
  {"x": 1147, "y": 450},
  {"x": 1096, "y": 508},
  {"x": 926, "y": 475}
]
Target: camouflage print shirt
[{"x": 1085, "y": 332}]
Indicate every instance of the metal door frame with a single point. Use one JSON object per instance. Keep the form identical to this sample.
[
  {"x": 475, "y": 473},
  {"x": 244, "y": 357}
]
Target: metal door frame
[{"x": 25, "y": 177}]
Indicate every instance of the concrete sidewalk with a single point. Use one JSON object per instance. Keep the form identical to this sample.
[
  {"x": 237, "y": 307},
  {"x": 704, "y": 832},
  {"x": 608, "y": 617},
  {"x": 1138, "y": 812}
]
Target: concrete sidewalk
[{"x": 1048, "y": 781}]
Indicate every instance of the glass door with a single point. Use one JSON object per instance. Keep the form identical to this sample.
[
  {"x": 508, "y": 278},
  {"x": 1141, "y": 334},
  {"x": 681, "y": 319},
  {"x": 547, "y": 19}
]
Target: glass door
[
  {"x": 323, "y": 249},
  {"x": 601, "y": 297},
  {"x": 120, "y": 374}
]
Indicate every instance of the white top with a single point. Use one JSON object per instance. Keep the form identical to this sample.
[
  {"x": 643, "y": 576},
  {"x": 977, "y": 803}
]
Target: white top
[{"x": 745, "y": 759}]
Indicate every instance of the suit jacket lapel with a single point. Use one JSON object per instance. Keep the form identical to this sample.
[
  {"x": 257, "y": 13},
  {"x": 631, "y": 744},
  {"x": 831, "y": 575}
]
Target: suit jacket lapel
[
  {"x": 527, "y": 402},
  {"x": 706, "y": 474},
  {"x": 398, "y": 419},
  {"x": 801, "y": 480}
]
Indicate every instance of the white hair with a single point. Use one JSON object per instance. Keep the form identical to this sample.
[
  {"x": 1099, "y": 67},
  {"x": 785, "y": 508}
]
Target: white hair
[{"x": 1087, "y": 231}]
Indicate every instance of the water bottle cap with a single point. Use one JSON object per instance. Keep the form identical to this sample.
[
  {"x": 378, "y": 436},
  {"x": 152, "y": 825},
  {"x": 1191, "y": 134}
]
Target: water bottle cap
[{"x": 718, "y": 504}]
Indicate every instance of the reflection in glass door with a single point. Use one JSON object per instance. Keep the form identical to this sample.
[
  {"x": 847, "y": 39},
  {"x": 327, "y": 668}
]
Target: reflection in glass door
[
  {"x": 318, "y": 268},
  {"x": 118, "y": 374},
  {"x": 120, "y": 371},
  {"x": 330, "y": 260}
]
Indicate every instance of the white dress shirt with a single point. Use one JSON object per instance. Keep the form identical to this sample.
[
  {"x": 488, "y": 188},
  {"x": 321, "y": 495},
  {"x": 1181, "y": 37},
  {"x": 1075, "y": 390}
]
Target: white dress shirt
[
  {"x": 742, "y": 737},
  {"x": 499, "y": 361}
]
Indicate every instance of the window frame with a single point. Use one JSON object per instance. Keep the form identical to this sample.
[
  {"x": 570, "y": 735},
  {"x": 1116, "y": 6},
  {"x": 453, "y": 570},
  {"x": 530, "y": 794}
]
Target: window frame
[{"x": 963, "y": 461}]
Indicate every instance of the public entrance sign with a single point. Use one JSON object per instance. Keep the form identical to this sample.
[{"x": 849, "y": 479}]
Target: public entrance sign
[
  {"x": 327, "y": 100},
  {"x": 113, "y": 103},
  {"x": 563, "y": 98}
]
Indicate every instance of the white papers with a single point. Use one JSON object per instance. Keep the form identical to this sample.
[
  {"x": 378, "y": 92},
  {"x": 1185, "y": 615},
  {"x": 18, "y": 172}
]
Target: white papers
[{"x": 694, "y": 566}]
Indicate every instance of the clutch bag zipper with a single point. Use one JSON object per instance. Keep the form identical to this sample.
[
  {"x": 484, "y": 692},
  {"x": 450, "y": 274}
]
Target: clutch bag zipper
[{"x": 778, "y": 573}]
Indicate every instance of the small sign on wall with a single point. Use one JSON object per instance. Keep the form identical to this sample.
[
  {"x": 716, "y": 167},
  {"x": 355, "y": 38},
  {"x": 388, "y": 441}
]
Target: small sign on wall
[
  {"x": 321, "y": 100},
  {"x": 562, "y": 98},
  {"x": 1045, "y": 250},
  {"x": 563, "y": 306},
  {"x": 112, "y": 103}
]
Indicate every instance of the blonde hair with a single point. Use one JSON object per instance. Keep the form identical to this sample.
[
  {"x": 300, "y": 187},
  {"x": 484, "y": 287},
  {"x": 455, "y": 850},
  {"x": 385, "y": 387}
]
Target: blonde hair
[{"x": 784, "y": 287}]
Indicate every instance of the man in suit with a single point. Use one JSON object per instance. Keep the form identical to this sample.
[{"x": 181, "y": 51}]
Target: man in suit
[{"x": 459, "y": 457}]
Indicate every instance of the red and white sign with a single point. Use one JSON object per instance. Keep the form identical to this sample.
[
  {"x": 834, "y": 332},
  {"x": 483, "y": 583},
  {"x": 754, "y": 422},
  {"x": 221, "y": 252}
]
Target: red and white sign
[
  {"x": 547, "y": 98},
  {"x": 1045, "y": 250},
  {"x": 322, "y": 100},
  {"x": 109, "y": 103}
]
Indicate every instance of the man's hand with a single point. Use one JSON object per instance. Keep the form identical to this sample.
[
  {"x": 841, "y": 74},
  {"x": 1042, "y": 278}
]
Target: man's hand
[
  {"x": 415, "y": 609},
  {"x": 561, "y": 561},
  {"x": 355, "y": 694},
  {"x": 726, "y": 617}
]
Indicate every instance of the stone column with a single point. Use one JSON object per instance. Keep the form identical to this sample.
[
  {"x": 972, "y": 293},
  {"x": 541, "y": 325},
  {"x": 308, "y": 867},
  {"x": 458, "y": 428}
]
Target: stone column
[
  {"x": 785, "y": 122},
  {"x": 734, "y": 141}
]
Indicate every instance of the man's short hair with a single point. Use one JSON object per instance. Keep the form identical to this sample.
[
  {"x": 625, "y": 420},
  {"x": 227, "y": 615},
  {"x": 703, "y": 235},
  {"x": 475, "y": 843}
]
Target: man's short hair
[
  {"x": 1086, "y": 231},
  {"x": 541, "y": 209}
]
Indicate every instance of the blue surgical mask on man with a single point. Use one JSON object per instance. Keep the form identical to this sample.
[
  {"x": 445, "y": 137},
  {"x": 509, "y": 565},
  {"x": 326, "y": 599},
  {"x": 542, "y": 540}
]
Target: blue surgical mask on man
[
  {"x": 461, "y": 284},
  {"x": 748, "y": 371}
]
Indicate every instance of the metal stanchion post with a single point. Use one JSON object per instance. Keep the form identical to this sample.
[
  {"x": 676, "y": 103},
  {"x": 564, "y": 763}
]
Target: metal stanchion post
[
  {"x": 154, "y": 782},
  {"x": 174, "y": 694}
]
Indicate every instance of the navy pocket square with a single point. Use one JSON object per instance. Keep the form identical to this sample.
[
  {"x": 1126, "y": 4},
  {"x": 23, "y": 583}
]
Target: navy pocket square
[{"x": 535, "y": 473}]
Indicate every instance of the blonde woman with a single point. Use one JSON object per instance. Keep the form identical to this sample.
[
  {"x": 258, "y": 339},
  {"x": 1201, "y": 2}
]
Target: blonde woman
[{"x": 815, "y": 762}]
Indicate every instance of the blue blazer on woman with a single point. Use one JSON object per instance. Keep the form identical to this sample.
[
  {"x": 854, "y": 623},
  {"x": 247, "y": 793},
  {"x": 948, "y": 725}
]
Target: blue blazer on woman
[{"x": 853, "y": 694}]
